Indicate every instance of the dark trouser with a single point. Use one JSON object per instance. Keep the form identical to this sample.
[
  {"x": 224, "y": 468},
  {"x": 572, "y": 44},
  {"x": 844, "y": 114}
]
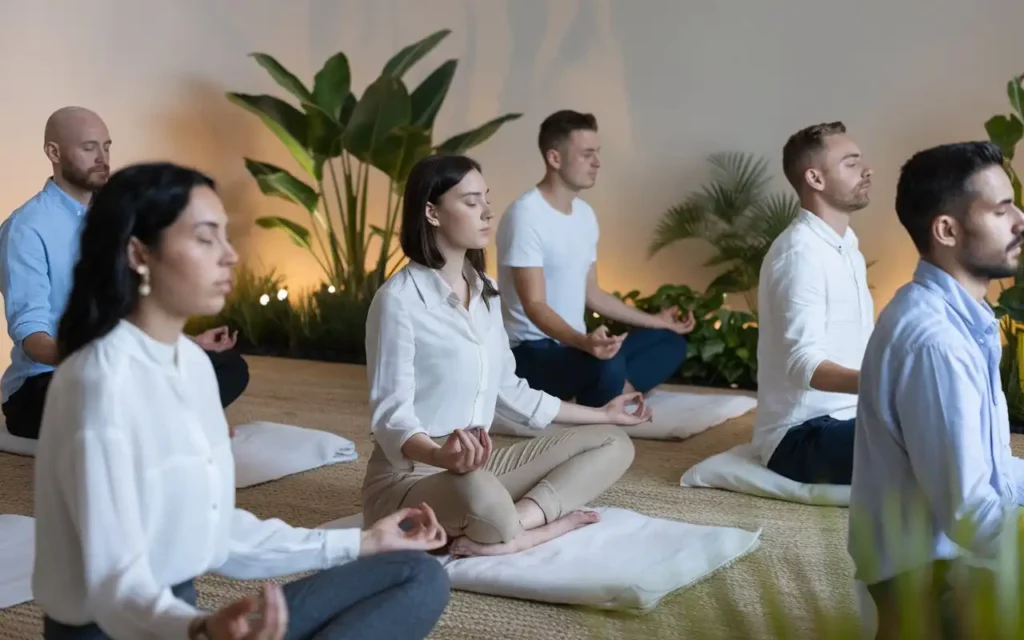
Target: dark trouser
[
  {"x": 819, "y": 451},
  {"x": 389, "y": 596},
  {"x": 23, "y": 411},
  {"x": 646, "y": 359}
]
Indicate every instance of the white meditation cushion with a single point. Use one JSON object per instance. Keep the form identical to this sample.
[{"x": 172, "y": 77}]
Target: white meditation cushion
[
  {"x": 677, "y": 415},
  {"x": 627, "y": 561},
  {"x": 266, "y": 451},
  {"x": 14, "y": 444},
  {"x": 740, "y": 470},
  {"x": 17, "y": 555}
]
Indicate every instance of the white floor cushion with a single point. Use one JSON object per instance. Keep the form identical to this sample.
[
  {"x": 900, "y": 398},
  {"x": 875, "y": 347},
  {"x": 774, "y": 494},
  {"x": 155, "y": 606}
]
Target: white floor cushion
[
  {"x": 627, "y": 561},
  {"x": 266, "y": 451},
  {"x": 740, "y": 470},
  {"x": 14, "y": 444},
  {"x": 677, "y": 415},
  {"x": 17, "y": 554}
]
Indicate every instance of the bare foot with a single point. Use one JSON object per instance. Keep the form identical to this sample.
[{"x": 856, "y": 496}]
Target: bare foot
[{"x": 463, "y": 547}]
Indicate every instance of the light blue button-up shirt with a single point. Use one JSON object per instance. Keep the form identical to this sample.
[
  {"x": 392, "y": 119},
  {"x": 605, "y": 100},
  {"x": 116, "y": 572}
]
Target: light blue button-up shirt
[
  {"x": 39, "y": 246},
  {"x": 932, "y": 444}
]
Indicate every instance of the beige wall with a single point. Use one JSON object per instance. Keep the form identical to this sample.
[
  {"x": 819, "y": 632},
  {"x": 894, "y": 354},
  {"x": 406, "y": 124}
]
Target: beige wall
[{"x": 670, "y": 81}]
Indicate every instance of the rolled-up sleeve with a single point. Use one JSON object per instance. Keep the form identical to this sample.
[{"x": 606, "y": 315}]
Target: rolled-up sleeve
[
  {"x": 25, "y": 282},
  {"x": 798, "y": 297},
  {"x": 390, "y": 352},
  {"x": 939, "y": 404},
  {"x": 516, "y": 397}
]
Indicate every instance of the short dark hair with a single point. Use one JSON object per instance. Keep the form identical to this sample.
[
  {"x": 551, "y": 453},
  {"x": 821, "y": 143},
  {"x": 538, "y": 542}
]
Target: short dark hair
[
  {"x": 429, "y": 179},
  {"x": 936, "y": 181},
  {"x": 557, "y": 128},
  {"x": 801, "y": 148}
]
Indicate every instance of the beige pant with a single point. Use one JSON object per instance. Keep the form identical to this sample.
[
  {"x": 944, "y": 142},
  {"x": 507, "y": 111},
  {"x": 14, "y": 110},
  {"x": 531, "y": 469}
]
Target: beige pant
[{"x": 560, "y": 473}]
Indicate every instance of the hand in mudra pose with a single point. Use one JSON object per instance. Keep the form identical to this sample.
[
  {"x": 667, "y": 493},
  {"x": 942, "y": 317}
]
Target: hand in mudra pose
[{"x": 465, "y": 450}]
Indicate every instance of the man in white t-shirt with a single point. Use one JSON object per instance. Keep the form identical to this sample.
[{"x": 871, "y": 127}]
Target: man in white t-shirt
[
  {"x": 815, "y": 314},
  {"x": 547, "y": 274}
]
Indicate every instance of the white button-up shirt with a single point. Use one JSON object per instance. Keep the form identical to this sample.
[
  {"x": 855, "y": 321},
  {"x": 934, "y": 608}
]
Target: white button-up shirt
[
  {"x": 135, "y": 492},
  {"x": 813, "y": 305},
  {"x": 435, "y": 366}
]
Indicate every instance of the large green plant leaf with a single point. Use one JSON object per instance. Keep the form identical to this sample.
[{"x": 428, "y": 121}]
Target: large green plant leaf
[
  {"x": 1015, "y": 91},
  {"x": 288, "y": 124},
  {"x": 413, "y": 53},
  {"x": 462, "y": 142},
  {"x": 283, "y": 77},
  {"x": 1005, "y": 132},
  {"x": 275, "y": 181},
  {"x": 383, "y": 108},
  {"x": 299, "y": 234},
  {"x": 332, "y": 86},
  {"x": 415, "y": 147},
  {"x": 681, "y": 222},
  {"x": 427, "y": 98}
]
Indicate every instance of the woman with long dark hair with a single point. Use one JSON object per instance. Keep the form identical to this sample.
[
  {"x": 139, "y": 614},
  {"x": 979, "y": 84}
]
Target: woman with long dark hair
[
  {"x": 439, "y": 365},
  {"x": 134, "y": 478}
]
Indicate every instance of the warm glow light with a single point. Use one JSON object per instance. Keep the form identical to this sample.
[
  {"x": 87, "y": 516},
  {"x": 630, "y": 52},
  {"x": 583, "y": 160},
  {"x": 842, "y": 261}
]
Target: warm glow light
[
  {"x": 264, "y": 299},
  {"x": 596, "y": 315},
  {"x": 331, "y": 289},
  {"x": 282, "y": 294}
]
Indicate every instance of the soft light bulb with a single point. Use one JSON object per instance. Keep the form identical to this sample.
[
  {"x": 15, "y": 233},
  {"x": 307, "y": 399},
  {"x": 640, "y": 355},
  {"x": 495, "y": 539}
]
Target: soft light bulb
[
  {"x": 596, "y": 315},
  {"x": 264, "y": 299},
  {"x": 282, "y": 294},
  {"x": 331, "y": 289}
]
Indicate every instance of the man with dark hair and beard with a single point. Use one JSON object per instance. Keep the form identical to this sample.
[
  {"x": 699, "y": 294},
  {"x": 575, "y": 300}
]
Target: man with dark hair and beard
[
  {"x": 815, "y": 314},
  {"x": 39, "y": 245},
  {"x": 932, "y": 436}
]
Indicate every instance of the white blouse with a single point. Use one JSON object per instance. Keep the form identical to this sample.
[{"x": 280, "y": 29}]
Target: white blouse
[
  {"x": 434, "y": 366},
  {"x": 135, "y": 492}
]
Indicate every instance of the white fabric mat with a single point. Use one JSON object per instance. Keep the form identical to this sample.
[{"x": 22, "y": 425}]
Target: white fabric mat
[
  {"x": 677, "y": 415},
  {"x": 740, "y": 470},
  {"x": 17, "y": 555},
  {"x": 14, "y": 444},
  {"x": 627, "y": 561},
  {"x": 266, "y": 451}
]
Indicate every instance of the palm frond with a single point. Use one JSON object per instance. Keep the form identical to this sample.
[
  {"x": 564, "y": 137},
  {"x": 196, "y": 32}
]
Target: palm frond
[
  {"x": 771, "y": 215},
  {"x": 735, "y": 280},
  {"x": 681, "y": 222},
  {"x": 738, "y": 181}
]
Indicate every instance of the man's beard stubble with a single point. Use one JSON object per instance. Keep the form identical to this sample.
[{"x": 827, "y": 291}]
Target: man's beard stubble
[{"x": 90, "y": 180}]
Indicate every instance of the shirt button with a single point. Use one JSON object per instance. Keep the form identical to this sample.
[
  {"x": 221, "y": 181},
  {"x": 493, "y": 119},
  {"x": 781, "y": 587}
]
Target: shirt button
[{"x": 214, "y": 507}]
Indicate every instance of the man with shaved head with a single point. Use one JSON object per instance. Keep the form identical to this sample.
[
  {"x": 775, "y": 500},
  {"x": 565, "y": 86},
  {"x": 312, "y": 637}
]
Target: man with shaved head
[
  {"x": 815, "y": 314},
  {"x": 39, "y": 246}
]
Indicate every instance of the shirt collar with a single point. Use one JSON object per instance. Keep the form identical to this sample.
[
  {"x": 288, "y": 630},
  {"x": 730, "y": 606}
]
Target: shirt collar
[
  {"x": 825, "y": 232},
  {"x": 433, "y": 288},
  {"x": 978, "y": 316},
  {"x": 66, "y": 201}
]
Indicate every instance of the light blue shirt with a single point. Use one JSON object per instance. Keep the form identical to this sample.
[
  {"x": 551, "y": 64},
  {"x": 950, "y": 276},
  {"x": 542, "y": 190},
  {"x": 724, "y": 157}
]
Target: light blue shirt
[
  {"x": 932, "y": 444},
  {"x": 39, "y": 246}
]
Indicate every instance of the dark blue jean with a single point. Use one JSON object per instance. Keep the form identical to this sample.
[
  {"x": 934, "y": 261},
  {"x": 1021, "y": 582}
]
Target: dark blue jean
[
  {"x": 819, "y": 451},
  {"x": 647, "y": 358},
  {"x": 397, "y": 595}
]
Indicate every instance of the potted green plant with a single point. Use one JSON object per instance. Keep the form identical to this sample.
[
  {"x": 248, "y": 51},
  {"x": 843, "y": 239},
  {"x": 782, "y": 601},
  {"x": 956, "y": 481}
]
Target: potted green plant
[
  {"x": 336, "y": 139},
  {"x": 1007, "y": 131}
]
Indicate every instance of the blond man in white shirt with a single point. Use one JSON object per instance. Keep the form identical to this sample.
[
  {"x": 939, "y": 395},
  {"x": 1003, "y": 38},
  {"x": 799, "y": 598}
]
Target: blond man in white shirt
[
  {"x": 439, "y": 366},
  {"x": 134, "y": 476},
  {"x": 815, "y": 314}
]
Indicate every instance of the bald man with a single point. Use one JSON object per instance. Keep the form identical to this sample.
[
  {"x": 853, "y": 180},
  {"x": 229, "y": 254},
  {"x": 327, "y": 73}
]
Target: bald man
[{"x": 39, "y": 246}]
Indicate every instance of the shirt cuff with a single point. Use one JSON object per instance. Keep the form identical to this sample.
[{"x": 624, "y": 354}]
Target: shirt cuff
[
  {"x": 546, "y": 412},
  {"x": 23, "y": 330},
  {"x": 813, "y": 362},
  {"x": 343, "y": 545},
  {"x": 175, "y": 623}
]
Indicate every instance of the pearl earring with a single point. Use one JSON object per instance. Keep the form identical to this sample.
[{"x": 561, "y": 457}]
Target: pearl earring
[{"x": 144, "y": 288}]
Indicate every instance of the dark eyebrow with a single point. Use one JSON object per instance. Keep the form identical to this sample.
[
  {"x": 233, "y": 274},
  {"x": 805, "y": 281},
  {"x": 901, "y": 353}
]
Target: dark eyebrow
[{"x": 474, "y": 193}]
